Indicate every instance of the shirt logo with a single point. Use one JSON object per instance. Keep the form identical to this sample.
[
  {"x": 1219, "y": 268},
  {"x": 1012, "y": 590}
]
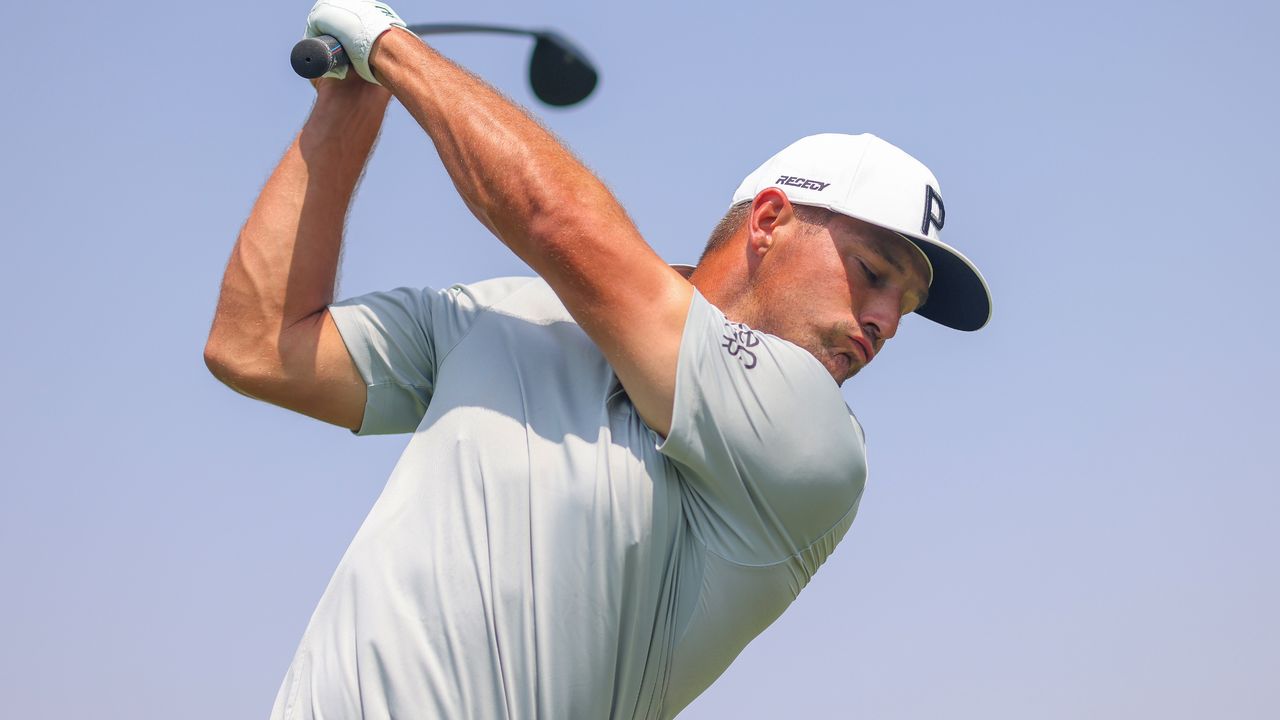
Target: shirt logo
[
  {"x": 738, "y": 340},
  {"x": 805, "y": 183}
]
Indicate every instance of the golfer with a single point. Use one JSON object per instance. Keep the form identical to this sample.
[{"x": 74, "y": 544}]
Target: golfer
[{"x": 619, "y": 473}]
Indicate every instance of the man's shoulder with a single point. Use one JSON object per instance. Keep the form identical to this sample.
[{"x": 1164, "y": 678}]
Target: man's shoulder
[
  {"x": 493, "y": 291},
  {"x": 525, "y": 297}
]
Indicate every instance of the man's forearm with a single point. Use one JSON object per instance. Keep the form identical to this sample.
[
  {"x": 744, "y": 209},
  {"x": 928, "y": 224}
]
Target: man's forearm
[
  {"x": 514, "y": 175},
  {"x": 284, "y": 265},
  {"x": 553, "y": 213}
]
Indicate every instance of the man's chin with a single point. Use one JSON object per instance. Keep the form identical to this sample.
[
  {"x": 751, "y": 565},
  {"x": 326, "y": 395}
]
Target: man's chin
[
  {"x": 852, "y": 373},
  {"x": 842, "y": 367}
]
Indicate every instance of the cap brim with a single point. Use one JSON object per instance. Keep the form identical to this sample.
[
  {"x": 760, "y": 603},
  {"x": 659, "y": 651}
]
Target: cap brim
[
  {"x": 959, "y": 297},
  {"x": 684, "y": 269}
]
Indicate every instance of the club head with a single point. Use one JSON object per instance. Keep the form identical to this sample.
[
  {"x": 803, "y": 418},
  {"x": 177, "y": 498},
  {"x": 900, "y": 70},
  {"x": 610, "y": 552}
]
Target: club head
[{"x": 559, "y": 73}]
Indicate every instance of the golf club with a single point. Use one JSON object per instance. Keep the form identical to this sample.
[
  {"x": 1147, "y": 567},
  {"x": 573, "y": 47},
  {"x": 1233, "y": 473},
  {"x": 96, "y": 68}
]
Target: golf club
[{"x": 558, "y": 72}]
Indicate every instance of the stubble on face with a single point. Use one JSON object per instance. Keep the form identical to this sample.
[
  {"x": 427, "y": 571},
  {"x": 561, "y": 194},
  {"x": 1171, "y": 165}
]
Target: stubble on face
[
  {"x": 806, "y": 293},
  {"x": 802, "y": 296}
]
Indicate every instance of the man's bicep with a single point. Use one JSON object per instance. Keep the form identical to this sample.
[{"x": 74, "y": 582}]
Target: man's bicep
[
  {"x": 318, "y": 377},
  {"x": 637, "y": 323}
]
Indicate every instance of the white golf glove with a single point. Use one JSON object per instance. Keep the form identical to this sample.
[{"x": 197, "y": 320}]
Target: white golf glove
[{"x": 356, "y": 24}]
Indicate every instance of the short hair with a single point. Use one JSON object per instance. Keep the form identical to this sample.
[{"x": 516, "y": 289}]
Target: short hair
[{"x": 736, "y": 217}]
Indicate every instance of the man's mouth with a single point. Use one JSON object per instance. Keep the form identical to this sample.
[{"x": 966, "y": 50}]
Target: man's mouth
[{"x": 863, "y": 348}]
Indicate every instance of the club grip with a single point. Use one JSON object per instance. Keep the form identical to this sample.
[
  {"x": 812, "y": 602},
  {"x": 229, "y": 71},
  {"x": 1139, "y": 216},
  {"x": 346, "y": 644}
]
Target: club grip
[{"x": 313, "y": 57}]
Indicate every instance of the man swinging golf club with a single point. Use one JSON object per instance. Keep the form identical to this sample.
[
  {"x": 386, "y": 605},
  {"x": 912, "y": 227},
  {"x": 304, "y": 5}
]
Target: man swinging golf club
[{"x": 617, "y": 475}]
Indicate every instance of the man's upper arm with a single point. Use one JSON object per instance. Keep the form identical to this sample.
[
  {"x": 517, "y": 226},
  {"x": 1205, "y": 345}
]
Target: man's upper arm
[
  {"x": 643, "y": 344},
  {"x": 631, "y": 304},
  {"x": 398, "y": 339},
  {"x": 318, "y": 377},
  {"x": 369, "y": 363},
  {"x": 395, "y": 340}
]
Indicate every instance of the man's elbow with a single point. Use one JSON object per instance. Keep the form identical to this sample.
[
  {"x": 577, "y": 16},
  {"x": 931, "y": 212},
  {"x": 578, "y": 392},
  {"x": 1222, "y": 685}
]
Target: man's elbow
[
  {"x": 221, "y": 363},
  {"x": 232, "y": 367},
  {"x": 218, "y": 361}
]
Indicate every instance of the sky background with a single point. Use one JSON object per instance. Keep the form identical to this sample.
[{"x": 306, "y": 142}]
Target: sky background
[{"x": 1072, "y": 513}]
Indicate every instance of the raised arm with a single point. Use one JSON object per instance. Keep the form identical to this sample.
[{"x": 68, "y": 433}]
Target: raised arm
[
  {"x": 531, "y": 192},
  {"x": 272, "y": 337}
]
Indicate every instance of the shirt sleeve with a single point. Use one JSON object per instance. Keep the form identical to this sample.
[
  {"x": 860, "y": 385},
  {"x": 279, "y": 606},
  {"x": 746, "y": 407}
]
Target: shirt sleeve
[
  {"x": 772, "y": 457},
  {"x": 397, "y": 339}
]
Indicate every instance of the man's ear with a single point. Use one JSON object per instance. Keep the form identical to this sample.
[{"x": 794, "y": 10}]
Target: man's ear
[{"x": 770, "y": 211}]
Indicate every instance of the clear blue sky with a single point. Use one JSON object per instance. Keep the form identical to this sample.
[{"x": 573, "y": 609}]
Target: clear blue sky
[{"x": 1070, "y": 514}]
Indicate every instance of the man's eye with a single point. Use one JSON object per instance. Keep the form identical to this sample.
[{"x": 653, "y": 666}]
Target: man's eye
[{"x": 872, "y": 276}]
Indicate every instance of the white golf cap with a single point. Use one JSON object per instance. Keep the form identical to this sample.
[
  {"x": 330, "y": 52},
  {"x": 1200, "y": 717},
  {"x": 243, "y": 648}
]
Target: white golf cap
[{"x": 869, "y": 179}]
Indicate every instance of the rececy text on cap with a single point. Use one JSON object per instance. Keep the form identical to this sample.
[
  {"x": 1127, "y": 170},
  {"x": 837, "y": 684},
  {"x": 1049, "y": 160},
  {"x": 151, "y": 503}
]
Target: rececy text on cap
[{"x": 803, "y": 183}]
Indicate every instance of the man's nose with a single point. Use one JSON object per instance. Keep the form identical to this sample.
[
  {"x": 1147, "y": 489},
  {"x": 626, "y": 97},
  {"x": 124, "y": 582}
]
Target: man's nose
[{"x": 880, "y": 322}]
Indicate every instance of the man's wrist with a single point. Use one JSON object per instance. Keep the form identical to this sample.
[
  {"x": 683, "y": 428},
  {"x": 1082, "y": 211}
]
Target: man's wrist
[
  {"x": 344, "y": 113},
  {"x": 388, "y": 48},
  {"x": 352, "y": 95}
]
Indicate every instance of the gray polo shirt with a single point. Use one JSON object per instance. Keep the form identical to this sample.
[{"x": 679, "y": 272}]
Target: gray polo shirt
[{"x": 540, "y": 552}]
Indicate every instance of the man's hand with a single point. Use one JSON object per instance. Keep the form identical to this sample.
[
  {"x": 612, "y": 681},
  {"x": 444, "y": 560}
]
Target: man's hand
[{"x": 356, "y": 24}]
